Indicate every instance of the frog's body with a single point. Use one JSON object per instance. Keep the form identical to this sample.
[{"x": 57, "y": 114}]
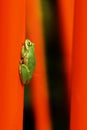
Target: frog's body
[{"x": 27, "y": 63}]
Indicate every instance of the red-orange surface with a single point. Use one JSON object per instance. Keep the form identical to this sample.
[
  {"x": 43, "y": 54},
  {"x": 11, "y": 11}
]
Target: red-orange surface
[
  {"x": 78, "y": 119},
  {"x": 66, "y": 16},
  {"x": 39, "y": 83},
  {"x": 12, "y": 35}
]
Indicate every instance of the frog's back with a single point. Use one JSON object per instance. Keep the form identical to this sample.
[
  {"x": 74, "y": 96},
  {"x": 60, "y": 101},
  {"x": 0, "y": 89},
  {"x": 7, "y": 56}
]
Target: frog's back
[{"x": 31, "y": 62}]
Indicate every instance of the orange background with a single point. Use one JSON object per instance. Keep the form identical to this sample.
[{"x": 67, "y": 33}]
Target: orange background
[{"x": 12, "y": 36}]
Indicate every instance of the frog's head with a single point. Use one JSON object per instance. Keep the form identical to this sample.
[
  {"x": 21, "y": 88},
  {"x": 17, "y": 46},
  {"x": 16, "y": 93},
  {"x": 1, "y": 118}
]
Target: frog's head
[{"x": 28, "y": 44}]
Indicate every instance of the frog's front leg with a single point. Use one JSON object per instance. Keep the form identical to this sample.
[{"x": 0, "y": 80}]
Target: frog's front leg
[{"x": 25, "y": 73}]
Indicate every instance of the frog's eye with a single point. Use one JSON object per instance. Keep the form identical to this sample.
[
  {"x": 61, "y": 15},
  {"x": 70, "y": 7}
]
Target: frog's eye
[{"x": 29, "y": 43}]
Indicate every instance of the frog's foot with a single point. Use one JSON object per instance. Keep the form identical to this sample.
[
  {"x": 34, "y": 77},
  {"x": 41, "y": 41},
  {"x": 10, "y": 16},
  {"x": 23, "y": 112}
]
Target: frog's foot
[
  {"x": 20, "y": 66},
  {"x": 24, "y": 73}
]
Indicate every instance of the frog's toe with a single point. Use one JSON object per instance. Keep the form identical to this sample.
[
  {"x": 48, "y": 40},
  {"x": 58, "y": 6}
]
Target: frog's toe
[{"x": 20, "y": 69}]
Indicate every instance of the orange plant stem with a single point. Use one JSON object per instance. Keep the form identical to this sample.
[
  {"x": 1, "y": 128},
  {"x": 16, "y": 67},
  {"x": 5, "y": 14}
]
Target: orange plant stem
[
  {"x": 66, "y": 13},
  {"x": 39, "y": 84},
  {"x": 79, "y": 68},
  {"x": 12, "y": 35}
]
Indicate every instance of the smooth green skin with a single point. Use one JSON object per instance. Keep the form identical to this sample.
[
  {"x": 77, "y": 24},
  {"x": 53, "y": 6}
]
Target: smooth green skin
[{"x": 27, "y": 63}]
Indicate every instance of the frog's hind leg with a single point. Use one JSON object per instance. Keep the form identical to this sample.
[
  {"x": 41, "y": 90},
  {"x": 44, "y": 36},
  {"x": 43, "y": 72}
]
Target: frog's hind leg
[{"x": 24, "y": 73}]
